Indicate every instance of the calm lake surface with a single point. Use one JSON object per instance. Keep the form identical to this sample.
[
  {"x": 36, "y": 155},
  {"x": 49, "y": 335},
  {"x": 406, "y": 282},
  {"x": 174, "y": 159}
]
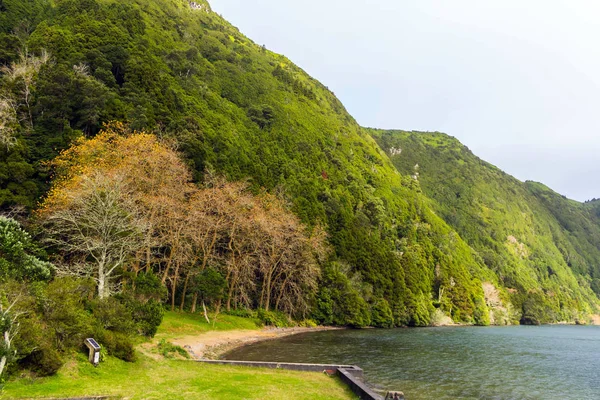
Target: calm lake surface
[{"x": 520, "y": 362}]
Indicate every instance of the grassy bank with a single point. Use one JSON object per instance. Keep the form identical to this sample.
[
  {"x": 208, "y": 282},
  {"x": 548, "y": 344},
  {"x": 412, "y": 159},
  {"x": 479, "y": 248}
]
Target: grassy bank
[
  {"x": 176, "y": 379},
  {"x": 155, "y": 377},
  {"x": 177, "y": 324}
]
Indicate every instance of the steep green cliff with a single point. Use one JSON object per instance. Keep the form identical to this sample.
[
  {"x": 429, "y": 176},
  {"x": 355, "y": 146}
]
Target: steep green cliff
[{"x": 542, "y": 247}]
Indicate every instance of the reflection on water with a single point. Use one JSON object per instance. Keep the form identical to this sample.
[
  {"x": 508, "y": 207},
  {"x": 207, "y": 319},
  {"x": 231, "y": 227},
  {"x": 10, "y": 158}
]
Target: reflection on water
[{"x": 521, "y": 362}]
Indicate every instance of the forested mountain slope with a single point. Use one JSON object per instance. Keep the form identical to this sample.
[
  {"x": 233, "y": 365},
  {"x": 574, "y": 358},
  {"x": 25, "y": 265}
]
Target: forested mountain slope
[
  {"x": 234, "y": 107},
  {"x": 179, "y": 70},
  {"x": 543, "y": 247}
]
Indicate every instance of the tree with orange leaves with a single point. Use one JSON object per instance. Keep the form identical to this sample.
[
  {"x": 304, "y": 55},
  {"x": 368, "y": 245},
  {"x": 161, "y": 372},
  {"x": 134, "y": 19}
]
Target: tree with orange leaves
[
  {"x": 124, "y": 201},
  {"x": 114, "y": 198}
]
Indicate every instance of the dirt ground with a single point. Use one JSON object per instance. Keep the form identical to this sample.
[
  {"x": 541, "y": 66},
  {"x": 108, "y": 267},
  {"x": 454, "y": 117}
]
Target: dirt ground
[{"x": 211, "y": 345}]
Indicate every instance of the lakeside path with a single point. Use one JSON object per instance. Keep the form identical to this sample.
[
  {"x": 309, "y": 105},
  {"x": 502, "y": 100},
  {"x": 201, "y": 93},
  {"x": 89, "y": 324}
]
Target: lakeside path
[{"x": 212, "y": 345}]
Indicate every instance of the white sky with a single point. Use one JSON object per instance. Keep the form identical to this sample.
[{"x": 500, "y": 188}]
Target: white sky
[{"x": 518, "y": 82}]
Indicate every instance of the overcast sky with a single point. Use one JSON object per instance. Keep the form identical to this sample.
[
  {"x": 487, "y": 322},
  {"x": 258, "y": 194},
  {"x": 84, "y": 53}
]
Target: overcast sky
[{"x": 518, "y": 82}]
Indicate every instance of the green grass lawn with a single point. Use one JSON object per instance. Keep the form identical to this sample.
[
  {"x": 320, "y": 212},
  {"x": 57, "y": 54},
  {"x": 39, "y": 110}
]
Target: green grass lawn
[
  {"x": 160, "y": 378},
  {"x": 175, "y": 379},
  {"x": 177, "y": 324}
]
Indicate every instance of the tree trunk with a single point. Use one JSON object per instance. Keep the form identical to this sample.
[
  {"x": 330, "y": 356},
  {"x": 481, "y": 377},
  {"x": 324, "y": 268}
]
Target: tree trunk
[
  {"x": 234, "y": 281},
  {"x": 4, "y": 359},
  {"x": 205, "y": 312},
  {"x": 2, "y": 364},
  {"x": 194, "y": 302},
  {"x": 185, "y": 285},
  {"x": 269, "y": 283},
  {"x": 101, "y": 284},
  {"x": 218, "y": 307},
  {"x": 281, "y": 293},
  {"x": 173, "y": 290}
]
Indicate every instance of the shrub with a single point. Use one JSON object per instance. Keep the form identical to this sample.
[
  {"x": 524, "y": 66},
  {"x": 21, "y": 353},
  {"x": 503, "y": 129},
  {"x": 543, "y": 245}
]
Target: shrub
[
  {"x": 116, "y": 344},
  {"x": 308, "y": 323},
  {"x": 148, "y": 286},
  {"x": 112, "y": 315},
  {"x": 44, "y": 361},
  {"x": 147, "y": 316},
  {"x": 274, "y": 318},
  {"x": 242, "y": 312},
  {"x": 62, "y": 307},
  {"x": 168, "y": 349}
]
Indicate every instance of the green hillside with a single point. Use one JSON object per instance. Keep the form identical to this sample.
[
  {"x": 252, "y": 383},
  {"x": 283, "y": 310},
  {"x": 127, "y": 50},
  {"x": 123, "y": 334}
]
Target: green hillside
[
  {"x": 543, "y": 248},
  {"x": 234, "y": 107}
]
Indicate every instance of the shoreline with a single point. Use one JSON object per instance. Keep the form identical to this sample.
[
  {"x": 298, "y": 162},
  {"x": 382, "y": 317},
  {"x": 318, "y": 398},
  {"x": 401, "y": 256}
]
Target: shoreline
[{"x": 214, "y": 344}]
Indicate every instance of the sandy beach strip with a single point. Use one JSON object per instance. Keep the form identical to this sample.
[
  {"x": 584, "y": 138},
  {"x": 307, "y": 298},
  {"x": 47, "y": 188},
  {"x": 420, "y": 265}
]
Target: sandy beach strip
[{"x": 212, "y": 345}]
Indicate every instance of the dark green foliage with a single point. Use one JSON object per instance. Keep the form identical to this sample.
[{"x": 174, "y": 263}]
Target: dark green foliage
[
  {"x": 20, "y": 258},
  {"x": 273, "y": 318},
  {"x": 147, "y": 286},
  {"x": 262, "y": 116},
  {"x": 117, "y": 344},
  {"x": 112, "y": 315},
  {"x": 62, "y": 305},
  {"x": 146, "y": 315},
  {"x": 381, "y": 314},
  {"x": 209, "y": 284},
  {"x": 341, "y": 300},
  {"x": 45, "y": 360}
]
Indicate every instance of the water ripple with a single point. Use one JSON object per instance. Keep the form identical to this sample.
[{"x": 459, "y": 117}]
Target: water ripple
[{"x": 496, "y": 363}]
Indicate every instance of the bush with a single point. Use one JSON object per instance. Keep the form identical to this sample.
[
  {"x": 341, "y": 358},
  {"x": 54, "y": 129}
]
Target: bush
[
  {"x": 168, "y": 349},
  {"x": 62, "y": 308},
  {"x": 148, "y": 286},
  {"x": 112, "y": 315},
  {"x": 147, "y": 316},
  {"x": 44, "y": 361},
  {"x": 243, "y": 313},
  {"x": 274, "y": 318},
  {"x": 308, "y": 323},
  {"x": 116, "y": 344}
]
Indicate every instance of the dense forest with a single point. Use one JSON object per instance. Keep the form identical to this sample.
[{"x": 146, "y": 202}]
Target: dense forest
[
  {"x": 543, "y": 247},
  {"x": 152, "y": 156}
]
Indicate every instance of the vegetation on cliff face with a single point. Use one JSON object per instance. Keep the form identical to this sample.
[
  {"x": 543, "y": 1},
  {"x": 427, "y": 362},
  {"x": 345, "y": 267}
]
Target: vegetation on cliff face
[
  {"x": 213, "y": 103},
  {"x": 543, "y": 248},
  {"x": 235, "y": 107}
]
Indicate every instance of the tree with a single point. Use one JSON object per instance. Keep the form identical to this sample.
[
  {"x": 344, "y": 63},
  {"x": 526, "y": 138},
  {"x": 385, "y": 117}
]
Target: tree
[
  {"x": 20, "y": 258},
  {"x": 8, "y": 122},
  {"x": 23, "y": 75},
  {"x": 9, "y": 327},
  {"x": 288, "y": 257},
  {"x": 128, "y": 190},
  {"x": 96, "y": 224}
]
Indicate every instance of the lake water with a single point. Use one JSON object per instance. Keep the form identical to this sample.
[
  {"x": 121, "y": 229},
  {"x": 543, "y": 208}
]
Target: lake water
[{"x": 520, "y": 362}]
